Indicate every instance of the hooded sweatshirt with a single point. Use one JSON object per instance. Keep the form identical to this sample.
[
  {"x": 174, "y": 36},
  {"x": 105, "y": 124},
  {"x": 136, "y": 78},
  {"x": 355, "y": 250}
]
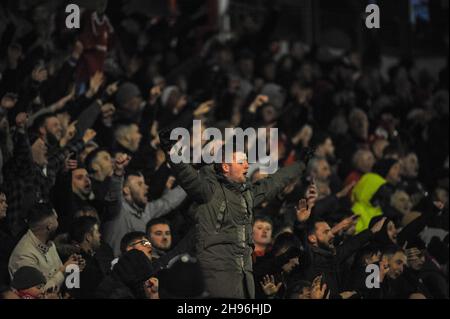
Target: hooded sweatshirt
[{"x": 362, "y": 195}]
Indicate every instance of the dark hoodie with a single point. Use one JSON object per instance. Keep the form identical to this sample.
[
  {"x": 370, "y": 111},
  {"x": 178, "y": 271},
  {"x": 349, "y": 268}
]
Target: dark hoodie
[{"x": 127, "y": 278}]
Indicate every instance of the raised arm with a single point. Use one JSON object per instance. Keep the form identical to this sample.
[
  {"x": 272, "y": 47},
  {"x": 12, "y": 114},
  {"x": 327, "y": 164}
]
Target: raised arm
[
  {"x": 198, "y": 185},
  {"x": 164, "y": 205},
  {"x": 269, "y": 187}
]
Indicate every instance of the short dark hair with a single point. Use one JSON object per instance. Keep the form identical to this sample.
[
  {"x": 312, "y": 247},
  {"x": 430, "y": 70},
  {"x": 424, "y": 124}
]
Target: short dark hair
[
  {"x": 131, "y": 172},
  {"x": 40, "y": 121},
  {"x": 80, "y": 227},
  {"x": 265, "y": 219},
  {"x": 91, "y": 157},
  {"x": 391, "y": 250},
  {"x": 128, "y": 238},
  {"x": 285, "y": 240},
  {"x": 156, "y": 221},
  {"x": 311, "y": 225},
  {"x": 38, "y": 213}
]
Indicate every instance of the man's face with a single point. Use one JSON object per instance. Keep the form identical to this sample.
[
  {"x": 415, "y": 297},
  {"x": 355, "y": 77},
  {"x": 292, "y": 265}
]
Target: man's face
[
  {"x": 262, "y": 232},
  {"x": 410, "y": 165},
  {"x": 138, "y": 190},
  {"x": 134, "y": 137},
  {"x": 160, "y": 236},
  {"x": 3, "y": 205},
  {"x": 103, "y": 165},
  {"x": 237, "y": 170},
  {"x": 53, "y": 126},
  {"x": 365, "y": 161},
  {"x": 394, "y": 176},
  {"x": 322, "y": 237},
  {"x": 360, "y": 125},
  {"x": 142, "y": 244},
  {"x": 134, "y": 105},
  {"x": 328, "y": 147},
  {"x": 397, "y": 264},
  {"x": 94, "y": 238},
  {"x": 401, "y": 201},
  {"x": 392, "y": 231},
  {"x": 378, "y": 147},
  {"x": 81, "y": 183},
  {"x": 322, "y": 171},
  {"x": 39, "y": 152}
]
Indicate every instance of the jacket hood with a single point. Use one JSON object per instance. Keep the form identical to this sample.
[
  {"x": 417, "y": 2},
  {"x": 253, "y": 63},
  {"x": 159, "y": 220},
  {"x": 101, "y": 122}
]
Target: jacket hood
[{"x": 366, "y": 188}]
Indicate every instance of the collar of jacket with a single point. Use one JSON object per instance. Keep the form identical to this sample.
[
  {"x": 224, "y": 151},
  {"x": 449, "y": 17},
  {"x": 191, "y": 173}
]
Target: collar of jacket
[
  {"x": 135, "y": 209},
  {"x": 237, "y": 187},
  {"x": 321, "y": 251},
  {"x": 43, "y": 248}
]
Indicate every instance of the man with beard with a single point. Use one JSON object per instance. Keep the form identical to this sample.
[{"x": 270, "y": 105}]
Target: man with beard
[
  {"x": 160, "y": 236},
  {"x": 136, "y": 210},
  {"x": 85, "y": 234},
  {"x": 36, "y": 249},
  {"x": 322, "y": 258}
]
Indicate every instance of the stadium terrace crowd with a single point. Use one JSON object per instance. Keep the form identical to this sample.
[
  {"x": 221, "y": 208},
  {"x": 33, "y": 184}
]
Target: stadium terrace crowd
[{"x": 87, "y": 183}]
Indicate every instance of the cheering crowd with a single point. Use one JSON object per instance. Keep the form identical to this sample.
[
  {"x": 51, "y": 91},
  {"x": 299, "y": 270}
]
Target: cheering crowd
[{"x": 92, "y": 206}]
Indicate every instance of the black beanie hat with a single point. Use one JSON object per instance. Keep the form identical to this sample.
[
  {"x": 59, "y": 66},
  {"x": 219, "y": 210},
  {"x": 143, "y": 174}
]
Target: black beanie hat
[
  {"x": 183, "y": 279},
  {"x": 383, "y": 166},
  {"x": 27, "y": 277},
  {"x": 133, "y": 268}
]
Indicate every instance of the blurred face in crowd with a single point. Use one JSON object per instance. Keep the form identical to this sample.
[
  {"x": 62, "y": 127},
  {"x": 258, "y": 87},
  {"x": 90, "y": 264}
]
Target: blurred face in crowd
[
  {"x": 397, "y": 263},
  {"x": 81, "y": 183},
  {"x": 394, "y": 176},
  {"x": 262, "y": 232},
  {"x": 102, "y": 165},
  {"x": 359, "y": 124},
  {"x": 364, "y": 161},
  {"x": 291, "y": 264},
  {"x": 322, "y": 171},
  {"x": 54, "y": 127},
  {"x": 134, "y": 105},
  {"x": 378, "y": 148},
  {"x": 441, "y": 195},
  {"x": 136, "y": 190},
  {"x": 130, "y": 137},
  {"x": 3, "y": 206},
  {"x": 246, "y": 66},
  {"x": 269, "y": 72},
  {"x": 237, "y": 170},
  {"x": 269, "y": 114},
  {"x": 392, "y": 231},
  {"x": 142, "y": 244},
  {"x": 401, "y": 201},
  {"x": 39, "y": 152},
  {"x": 93, "y": 238},
  {"x": 322, "y": 236},
  {"x": 326, "y": 149},
  {"x": 410, "y": 165},
  {"x": 160, "y": 236},
  {"x": 416, "y": 262}
]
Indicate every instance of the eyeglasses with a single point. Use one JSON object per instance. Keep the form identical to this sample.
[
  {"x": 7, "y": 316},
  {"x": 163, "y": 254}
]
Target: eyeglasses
[{"x": 143, "y": 242}]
